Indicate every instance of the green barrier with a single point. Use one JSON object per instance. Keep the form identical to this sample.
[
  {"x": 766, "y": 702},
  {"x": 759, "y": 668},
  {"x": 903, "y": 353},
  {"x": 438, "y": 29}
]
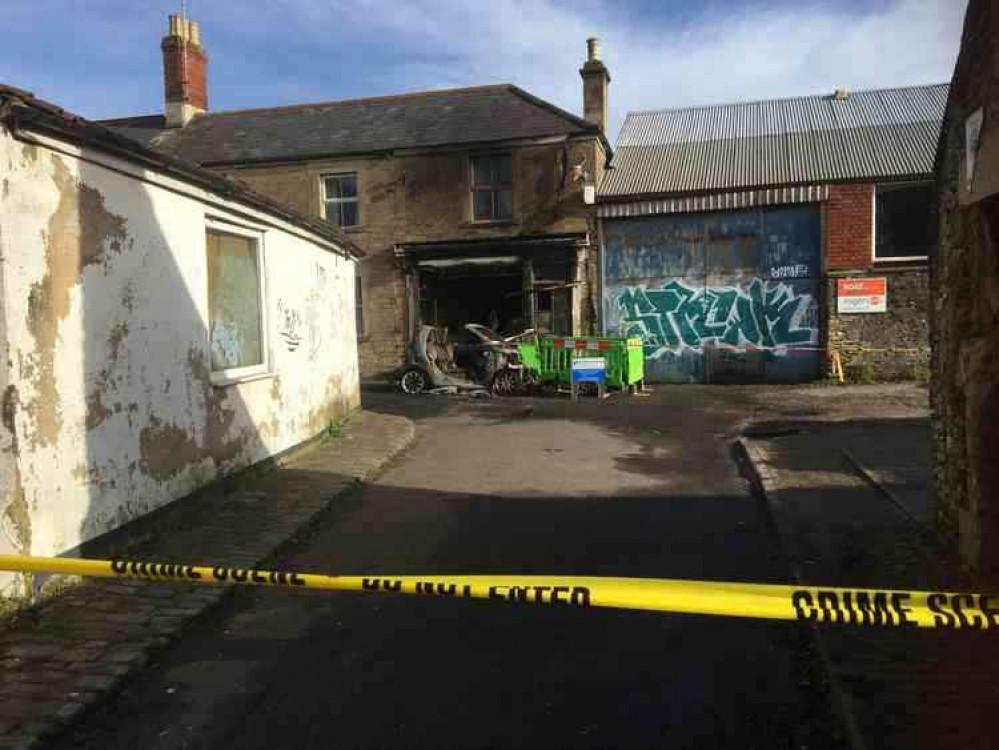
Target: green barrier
[{"x": 549, "y": 358}]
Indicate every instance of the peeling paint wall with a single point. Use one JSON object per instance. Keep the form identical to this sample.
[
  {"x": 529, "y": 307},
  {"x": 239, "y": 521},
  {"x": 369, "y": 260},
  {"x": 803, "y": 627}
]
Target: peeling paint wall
[
  {"x": 108, "y": 404},
  {"x": 15, "y": 520}
]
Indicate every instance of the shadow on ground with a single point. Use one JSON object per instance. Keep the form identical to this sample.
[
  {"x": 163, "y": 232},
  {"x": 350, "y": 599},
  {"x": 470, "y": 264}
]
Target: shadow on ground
[{"x": 303, "y": 669}]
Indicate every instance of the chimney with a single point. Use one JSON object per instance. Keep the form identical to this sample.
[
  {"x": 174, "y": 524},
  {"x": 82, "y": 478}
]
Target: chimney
[
  {"x": 184, "y": 72},
  {"x": 595, "y": 80}
]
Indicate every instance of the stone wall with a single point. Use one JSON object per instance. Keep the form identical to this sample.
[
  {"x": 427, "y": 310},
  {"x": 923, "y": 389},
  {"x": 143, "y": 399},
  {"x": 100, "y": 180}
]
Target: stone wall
[
  {"x": 892, "y": 345},
  {"x": 425, "y": 197},
  {"x": 965, "y": 314}
]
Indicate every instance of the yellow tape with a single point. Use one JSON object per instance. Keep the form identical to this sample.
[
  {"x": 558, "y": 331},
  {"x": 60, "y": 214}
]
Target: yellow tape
[{"x": 870, "y": 607}]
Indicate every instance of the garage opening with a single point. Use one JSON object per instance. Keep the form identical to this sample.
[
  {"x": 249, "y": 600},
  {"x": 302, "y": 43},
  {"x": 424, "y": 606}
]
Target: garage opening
[
  {"x": 508, "y": 284},
  {"x": 489, "y": 291}
]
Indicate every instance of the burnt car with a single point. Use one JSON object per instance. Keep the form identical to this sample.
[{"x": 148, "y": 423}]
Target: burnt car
[{"x": 478, "y": 359}]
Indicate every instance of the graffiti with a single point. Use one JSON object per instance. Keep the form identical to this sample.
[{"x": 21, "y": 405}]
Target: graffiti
[
  {"x": 227, "y": 343},
  {"x": 290, "y": 325},
  {"x": 313, "y": 315},
  {"x": 303, "y": 326},
  {"x": 799, "y": 271},
  {"x": 678, "y": 317}
]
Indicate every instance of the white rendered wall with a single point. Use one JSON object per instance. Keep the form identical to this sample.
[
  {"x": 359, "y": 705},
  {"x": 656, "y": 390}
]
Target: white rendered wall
[{"x": 109, "y": 403}]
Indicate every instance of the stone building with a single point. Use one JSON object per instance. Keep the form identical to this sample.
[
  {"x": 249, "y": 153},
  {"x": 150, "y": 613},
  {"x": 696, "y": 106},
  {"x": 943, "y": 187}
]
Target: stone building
[
  {"x": 160, "y": 326},
  {"x": 469, "y": 203},
  {"x": 762, "y": 241},
  {"x": 965, "y": 280}
]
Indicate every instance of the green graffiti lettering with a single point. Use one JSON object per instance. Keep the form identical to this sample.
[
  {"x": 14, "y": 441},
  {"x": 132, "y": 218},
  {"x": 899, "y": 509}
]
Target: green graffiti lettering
[{"x": 678, "y": 317}]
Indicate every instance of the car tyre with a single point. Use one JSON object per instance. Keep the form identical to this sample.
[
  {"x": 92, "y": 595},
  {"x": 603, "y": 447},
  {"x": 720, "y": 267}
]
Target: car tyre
[{"x": 413, "y": 381}]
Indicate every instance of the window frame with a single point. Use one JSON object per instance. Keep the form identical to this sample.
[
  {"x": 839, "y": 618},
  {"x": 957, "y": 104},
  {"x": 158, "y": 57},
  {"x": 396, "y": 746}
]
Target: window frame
[
  {"x": 356, "y": 200},
  {"x": 230, "y": 375},
  {"x": 875, "y": 258},
  {"x": 492, "y": 187}
]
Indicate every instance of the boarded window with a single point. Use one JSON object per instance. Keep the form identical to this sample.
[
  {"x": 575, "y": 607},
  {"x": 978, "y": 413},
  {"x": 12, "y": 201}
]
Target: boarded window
[
  {"x": 904, "y": 220},
  {"x": 342, "y": 206},
  {"x": 234, "y": 314},
  {"x": 492, "y": 187}
]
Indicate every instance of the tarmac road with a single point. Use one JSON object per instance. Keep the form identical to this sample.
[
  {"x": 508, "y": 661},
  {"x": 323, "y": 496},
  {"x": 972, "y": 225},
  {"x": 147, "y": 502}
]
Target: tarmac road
[{"x": 635, "y": 489}]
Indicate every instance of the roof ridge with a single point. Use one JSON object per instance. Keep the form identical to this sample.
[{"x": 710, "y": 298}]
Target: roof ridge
[
  {"x": 364, "y": 99},
  {"x": 782, "y": 134},
  {"x": 718, "y": 105},
  {"x": 554, "y": 108}
]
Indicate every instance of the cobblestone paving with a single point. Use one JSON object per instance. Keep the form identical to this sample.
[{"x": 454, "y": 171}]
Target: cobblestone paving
[{"x": 71, "y": 651}]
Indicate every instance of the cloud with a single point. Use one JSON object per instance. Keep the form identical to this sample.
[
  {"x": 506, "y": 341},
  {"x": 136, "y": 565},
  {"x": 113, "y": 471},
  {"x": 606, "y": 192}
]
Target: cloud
[
  {"x": 722, "y": 55},
  {"x": 102, "y": 56}
]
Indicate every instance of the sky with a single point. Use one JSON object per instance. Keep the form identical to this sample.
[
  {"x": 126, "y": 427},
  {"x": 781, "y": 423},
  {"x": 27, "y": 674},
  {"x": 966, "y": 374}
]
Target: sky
[{"x": 101, "y": 58}]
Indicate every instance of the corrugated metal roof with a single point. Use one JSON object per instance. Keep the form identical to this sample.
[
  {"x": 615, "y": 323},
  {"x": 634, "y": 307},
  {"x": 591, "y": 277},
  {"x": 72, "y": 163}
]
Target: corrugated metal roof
[{"x": 881, "y": 134}]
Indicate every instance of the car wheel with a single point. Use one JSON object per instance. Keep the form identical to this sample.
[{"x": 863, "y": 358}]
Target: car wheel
[{"x": 413, "y": 381}]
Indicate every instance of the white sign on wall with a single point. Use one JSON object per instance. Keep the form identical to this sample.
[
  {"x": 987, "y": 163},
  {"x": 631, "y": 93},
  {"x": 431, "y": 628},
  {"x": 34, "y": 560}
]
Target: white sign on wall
[{"x": 972, "y": 138}]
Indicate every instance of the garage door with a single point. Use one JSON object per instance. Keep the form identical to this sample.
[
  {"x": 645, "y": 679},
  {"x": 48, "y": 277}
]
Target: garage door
[{"x": 718, "y": 297}]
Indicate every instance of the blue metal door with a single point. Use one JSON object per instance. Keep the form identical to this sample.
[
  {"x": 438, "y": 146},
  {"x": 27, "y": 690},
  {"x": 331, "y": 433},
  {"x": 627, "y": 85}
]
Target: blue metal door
[{"x": 718, "y": 297}]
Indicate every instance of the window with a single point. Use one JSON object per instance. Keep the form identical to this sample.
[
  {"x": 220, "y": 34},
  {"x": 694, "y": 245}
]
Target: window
[
  {"x": 492, "y": 191},
  {"x": 359, "y": 306},
  {"x": 904, "y": 221},
  {"x": 235, "y": 304},
  {"x": 342, "y": 207}
]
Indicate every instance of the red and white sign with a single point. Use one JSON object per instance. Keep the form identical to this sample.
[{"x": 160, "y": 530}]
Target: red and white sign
[
  {"x": 582, "y": 344},
  {"x": 861, "y": 295}
]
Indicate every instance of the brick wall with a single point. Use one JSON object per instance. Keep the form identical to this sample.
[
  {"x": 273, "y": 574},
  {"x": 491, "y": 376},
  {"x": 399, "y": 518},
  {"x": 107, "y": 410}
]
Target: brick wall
[
  {"x": 191, "y": 86},
  {"x": 849, "y": 227}
]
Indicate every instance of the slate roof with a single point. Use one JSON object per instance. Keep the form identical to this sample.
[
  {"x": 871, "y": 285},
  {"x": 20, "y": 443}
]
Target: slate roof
[
  {"x": 21, "y": 109},
  {"x": 480, "y": 114},
  {"x": 879, "y": 134}
]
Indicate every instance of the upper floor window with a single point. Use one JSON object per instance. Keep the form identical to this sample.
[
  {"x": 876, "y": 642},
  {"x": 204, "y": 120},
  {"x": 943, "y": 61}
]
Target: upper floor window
[
  {"x": 904, "y": 221},
  {"x": 340, "y": 196},
  {"x": 492, "y": 187},
  {"x": 236, "y": 329}
]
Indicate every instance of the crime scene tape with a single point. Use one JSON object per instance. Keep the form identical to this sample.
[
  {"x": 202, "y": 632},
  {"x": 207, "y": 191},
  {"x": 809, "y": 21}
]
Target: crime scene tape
[{"x": 864, "y": 607}]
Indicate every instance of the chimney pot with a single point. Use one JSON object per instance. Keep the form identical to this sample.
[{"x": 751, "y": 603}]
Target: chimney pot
[
  {"x": 841, "y": 95},
  {"x": 593, "y": 49},
  {"x": 176, "y": 28},
  {"x": 595, "y": 82},
  {"x": 184, "y": 72}
]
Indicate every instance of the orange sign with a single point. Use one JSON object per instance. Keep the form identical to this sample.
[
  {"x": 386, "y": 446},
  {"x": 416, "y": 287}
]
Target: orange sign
[{"x": 862, "y": 295}]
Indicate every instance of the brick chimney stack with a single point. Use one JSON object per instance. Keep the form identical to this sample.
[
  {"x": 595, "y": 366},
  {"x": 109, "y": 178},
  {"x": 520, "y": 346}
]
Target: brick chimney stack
[
  {"x": 595, "y": 81},
  {"x": 185, "y": 65}
]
